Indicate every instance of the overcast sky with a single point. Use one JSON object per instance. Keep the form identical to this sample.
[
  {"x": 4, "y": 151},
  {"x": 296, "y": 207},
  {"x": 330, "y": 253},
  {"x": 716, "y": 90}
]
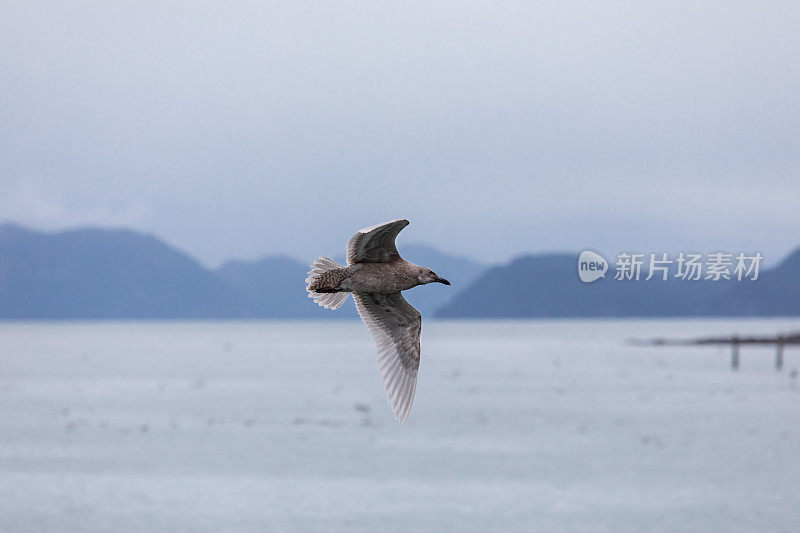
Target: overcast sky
[{"x": 238, "y": 130}]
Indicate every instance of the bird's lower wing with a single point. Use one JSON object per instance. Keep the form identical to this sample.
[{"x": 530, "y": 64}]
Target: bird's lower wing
[{"x": 395, "y": 325}]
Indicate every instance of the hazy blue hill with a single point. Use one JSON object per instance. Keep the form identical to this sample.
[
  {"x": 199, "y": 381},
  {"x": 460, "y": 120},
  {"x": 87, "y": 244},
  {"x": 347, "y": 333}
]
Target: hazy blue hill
[
  {"x": 103, "y": 273},
  {"x": 545, "y": 286},
  {"x": 775, "y": 293},
  {"x": 548, "y": 286}
]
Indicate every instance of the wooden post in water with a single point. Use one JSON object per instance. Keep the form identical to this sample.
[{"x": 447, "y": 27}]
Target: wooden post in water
[
  {"x": 780, "y": 341},
  {"x": 735, "y": 354}
]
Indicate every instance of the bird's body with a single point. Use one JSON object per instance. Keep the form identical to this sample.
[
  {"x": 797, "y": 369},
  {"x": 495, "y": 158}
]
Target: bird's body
[
  {"x": 399, "y": 275},
  {"x": 376, "y": 275}
]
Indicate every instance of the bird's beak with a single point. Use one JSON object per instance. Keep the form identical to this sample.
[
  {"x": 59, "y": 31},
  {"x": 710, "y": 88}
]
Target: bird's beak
[{"x": 442, "y": 280}]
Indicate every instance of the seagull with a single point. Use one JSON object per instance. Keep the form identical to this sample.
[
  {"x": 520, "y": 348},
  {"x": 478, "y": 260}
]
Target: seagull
[{"x": 376, "y": 275}]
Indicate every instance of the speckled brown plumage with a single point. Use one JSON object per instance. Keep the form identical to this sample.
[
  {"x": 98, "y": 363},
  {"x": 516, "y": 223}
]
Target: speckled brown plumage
[{"x": 376, "y": 275}]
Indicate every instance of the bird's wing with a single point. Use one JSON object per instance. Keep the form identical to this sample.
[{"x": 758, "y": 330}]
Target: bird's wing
[
  {"x": 375, "y": 244},
  {"x": 395, "y": 325}
]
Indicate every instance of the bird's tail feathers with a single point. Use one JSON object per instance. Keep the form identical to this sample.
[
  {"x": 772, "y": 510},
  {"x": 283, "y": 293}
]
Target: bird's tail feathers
[{"x": 328, "y": 300}]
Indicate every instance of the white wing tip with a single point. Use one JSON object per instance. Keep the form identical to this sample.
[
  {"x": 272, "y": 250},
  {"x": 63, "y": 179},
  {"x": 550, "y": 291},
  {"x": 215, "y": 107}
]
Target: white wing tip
[
  {"x": 401, "y": 386},
  {"x": 376, "y": 226}
]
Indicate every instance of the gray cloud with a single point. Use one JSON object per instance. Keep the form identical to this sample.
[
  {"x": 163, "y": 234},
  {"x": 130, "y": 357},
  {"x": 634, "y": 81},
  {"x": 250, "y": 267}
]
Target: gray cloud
[{"x": 497, "y": 129}]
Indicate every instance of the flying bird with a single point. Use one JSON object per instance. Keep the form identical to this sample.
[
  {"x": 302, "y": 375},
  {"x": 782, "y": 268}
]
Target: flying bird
[{"x": 376, "y": 275}]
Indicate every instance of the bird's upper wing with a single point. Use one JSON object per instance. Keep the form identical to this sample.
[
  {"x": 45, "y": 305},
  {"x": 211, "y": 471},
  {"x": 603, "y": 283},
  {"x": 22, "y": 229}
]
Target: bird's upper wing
[
  {"x": 375, "y": 244},
  {"x": 395, "y": 325}
]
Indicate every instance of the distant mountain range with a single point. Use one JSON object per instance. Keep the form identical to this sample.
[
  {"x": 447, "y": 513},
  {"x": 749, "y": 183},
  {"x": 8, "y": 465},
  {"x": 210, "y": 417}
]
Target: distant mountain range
[
  {"x": 548, "y": 286},
  {"x": 101, "y": 273},
  {"x": 94, "y": 273}
]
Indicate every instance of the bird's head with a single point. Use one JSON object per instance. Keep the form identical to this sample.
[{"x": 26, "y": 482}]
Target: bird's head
[{"x": 427, "y": 275}]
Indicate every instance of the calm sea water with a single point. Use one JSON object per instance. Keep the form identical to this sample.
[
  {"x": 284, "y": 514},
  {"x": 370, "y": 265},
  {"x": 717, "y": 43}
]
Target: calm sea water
[{"x": 270, "y": 426}]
